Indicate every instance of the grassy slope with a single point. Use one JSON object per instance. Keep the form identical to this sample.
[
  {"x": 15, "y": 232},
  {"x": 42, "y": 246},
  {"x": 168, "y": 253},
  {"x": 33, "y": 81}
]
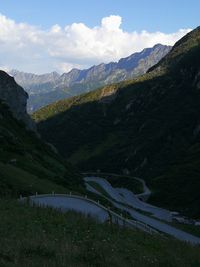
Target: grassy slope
[
  {"x": 27, "y": 165},
  {"x": 148, "y": 125},
  {"x": 44, "y": 237}
]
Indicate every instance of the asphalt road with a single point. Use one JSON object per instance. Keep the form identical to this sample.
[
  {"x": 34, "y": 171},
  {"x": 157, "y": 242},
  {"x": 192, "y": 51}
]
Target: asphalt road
[
  {"x": 65, "y": 203},
  {"x": 129, "y": 198},
  {"x": 124, "y": 198}
]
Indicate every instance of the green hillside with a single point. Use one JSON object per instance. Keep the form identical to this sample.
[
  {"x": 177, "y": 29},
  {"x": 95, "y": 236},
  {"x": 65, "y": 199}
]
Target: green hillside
[
  {"x": 149, "y": 126},
  {"x": 27, "y": 164}
]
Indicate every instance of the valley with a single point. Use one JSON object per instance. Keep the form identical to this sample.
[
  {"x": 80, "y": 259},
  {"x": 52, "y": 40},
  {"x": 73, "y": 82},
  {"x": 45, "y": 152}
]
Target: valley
[
  {"x": 147, "y": 126},
  {"x": 99, "y": 135}
]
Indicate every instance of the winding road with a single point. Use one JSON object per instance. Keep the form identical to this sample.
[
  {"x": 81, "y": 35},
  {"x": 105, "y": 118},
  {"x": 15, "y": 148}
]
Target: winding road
[
  {"x": 121, "y": 198},
  {"x": 128, "y": 198},
  {"x": 125, "y": 200}
]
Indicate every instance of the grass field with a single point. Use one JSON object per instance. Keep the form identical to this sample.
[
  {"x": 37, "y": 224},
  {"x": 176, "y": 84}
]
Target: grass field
[{"x": 45, "y": 237}]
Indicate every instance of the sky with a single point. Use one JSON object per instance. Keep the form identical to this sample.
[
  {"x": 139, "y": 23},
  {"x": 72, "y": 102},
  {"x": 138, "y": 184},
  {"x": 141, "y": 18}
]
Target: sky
[{"x": 57, "y": 35}]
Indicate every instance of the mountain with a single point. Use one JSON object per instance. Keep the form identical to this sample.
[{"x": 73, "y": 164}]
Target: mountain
[
  {"x": 27, "y": 164},
  {"x": 33, "y": 83},
  {"x": 15, "y": 97},
  {"x": 132, "y": 66},
  {"x": 149, "y": 126},
  {"x": 47, "y": 88}
]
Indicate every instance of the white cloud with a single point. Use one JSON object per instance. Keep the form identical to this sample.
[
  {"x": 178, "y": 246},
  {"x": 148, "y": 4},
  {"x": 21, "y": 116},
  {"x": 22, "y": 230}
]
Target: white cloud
[
  {"x": 111, "y": 23},
  {"x": 66, "y": 67},
  {"x": 32, "y": 49}
]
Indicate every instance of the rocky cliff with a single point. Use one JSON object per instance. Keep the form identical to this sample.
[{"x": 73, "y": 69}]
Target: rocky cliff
[{"x": 16, "y": 98}]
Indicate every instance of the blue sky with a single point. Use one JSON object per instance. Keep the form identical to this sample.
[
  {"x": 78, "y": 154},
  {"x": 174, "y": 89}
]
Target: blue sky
[
  {"x": 60, "y": 34},
  {"x": 151, "y": 15}
]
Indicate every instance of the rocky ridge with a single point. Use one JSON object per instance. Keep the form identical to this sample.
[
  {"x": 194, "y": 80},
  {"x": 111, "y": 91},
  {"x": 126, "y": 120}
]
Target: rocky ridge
[{"x": 47, "y": 88}]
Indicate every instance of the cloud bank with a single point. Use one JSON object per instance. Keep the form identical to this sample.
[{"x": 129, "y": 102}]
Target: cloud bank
[{"x": 32, "y": 49}]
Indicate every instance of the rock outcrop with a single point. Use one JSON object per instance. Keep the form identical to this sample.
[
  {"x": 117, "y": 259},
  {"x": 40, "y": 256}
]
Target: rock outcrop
[{"x": 16, "y": 98}]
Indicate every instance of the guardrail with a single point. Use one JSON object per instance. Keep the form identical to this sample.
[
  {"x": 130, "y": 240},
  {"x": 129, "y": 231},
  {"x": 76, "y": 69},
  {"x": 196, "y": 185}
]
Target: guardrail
[{"x": 116, "y": 218}]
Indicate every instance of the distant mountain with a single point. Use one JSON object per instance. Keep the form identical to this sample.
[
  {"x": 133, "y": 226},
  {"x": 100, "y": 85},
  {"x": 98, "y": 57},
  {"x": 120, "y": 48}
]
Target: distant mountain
[
  {"x": 35, "y": 84},
  {"x": 149, "y": 126},
  {"x": 47, "y": 88},
  {"x": 130, "y": 67}
]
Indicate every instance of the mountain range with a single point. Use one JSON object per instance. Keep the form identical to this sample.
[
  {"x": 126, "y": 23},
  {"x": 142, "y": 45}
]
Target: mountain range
[
  {"x": 148, "y": 126},
  {"x": 47, "y": 88}
]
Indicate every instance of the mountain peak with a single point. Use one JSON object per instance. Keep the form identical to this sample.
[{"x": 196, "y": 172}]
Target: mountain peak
[{"x": 184, "y": 45}]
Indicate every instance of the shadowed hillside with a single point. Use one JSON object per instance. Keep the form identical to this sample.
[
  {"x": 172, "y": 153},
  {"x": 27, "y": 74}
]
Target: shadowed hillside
[
  {"x": 149, "y": 126},
  {"x": 27, "y": 164}
]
